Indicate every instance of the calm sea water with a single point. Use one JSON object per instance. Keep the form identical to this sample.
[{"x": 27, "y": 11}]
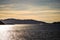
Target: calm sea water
[{"x": 28, "y": 32}]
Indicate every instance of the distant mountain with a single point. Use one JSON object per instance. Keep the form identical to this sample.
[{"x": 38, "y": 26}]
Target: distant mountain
[
  {"x": 56, "y": 22},
  {"x": 27, "y": 21},
  {"x": 18, "y": 21}
]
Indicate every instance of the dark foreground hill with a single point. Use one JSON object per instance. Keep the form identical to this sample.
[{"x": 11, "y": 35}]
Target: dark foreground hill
[
  {"x": 29, "y": 21},
  {"x": 1, "y": 22},
  {"x": 17, "y": 21}
]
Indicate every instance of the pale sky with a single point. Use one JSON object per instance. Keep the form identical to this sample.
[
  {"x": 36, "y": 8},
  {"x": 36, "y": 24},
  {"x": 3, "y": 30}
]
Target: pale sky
[{"x": 42, "y": 10}]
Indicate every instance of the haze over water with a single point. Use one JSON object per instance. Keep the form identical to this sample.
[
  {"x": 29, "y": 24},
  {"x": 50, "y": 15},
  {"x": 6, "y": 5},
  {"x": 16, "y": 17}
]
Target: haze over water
[{"x": 27, "y": 32}]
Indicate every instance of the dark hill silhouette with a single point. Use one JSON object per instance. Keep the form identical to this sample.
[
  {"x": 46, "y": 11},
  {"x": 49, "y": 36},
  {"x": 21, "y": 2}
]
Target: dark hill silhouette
[
  {"x": 18, "y": 21},
  {"x": 1, "y": 22},
  {"x": 26, "y": 21},
  {"x": 56, "y": 23}
]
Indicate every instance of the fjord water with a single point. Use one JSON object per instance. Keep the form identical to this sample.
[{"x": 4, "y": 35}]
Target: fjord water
[{"x": 28, "y": 32}]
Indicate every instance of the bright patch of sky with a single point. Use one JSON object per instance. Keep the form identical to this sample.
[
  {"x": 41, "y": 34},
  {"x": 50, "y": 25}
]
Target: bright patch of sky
[{"x": 38, "y": 8}]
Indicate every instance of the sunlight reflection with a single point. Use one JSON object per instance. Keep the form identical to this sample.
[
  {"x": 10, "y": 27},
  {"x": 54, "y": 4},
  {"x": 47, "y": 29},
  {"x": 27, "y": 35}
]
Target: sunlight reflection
[
  {"x": 5, "y": 27},
  {"x": 13, "y": 27}
]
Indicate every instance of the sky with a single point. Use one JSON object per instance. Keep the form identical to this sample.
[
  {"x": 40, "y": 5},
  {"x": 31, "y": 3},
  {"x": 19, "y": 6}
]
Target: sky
[{"x": 42, "y": 10}]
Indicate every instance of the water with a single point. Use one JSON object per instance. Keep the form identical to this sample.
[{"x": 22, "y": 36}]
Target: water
[{"x": 28, "y": 32}]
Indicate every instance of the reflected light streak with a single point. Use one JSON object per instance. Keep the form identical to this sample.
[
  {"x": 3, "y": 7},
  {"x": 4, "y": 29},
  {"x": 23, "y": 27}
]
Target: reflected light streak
[
  {"x": 13, "y": 27},
  {"x": 5, "y": 27}
]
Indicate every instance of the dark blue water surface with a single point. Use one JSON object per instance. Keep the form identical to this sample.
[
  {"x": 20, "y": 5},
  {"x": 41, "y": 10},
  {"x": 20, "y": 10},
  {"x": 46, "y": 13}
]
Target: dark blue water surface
[{"x": 29, "y": 32}]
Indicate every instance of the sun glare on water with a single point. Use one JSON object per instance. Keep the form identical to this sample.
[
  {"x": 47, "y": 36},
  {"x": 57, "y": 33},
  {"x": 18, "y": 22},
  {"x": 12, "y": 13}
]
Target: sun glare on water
[
  {"x": 6, "y": 27},
  {"x": 12, "y": 27},
  {"x": 4, "y": 34}
]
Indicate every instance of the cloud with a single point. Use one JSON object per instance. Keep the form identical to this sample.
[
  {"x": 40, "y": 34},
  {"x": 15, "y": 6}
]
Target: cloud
[
  {"x": 51, "y": 3},
  {"x": 43, "y": 17},
  {"x": 30, "y": 10},
  {"x": 6, "y": 7},
  {"x": 27, "y": 7},
  {"x": 46, "y": 10}
]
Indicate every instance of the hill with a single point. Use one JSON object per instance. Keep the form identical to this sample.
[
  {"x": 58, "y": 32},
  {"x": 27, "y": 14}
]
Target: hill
[
  {"x": 27, "y": 21},
  {"x": 18, "y": 21}
]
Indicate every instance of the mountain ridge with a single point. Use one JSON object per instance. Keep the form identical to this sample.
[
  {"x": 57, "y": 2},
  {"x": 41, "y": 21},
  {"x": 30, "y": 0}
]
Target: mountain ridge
[{"x": 25, "y": 21}]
